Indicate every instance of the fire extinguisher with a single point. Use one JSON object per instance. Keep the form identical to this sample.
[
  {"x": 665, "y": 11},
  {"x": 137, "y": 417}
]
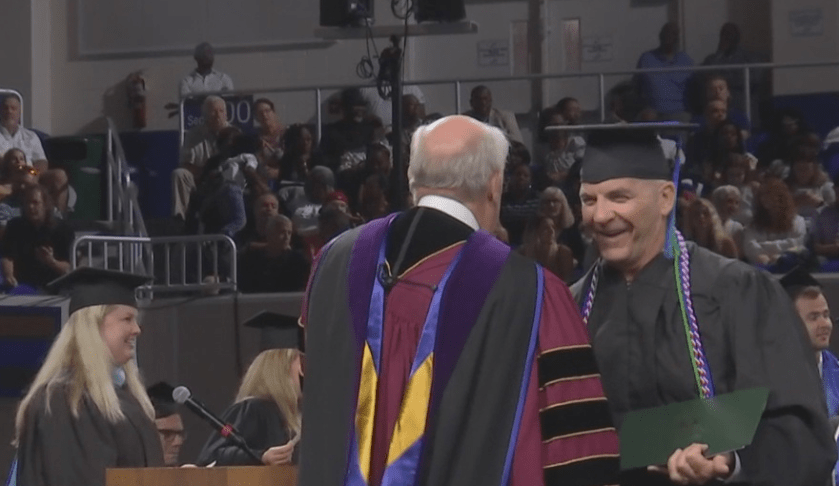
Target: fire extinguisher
[{"x": 137, "y": 98}]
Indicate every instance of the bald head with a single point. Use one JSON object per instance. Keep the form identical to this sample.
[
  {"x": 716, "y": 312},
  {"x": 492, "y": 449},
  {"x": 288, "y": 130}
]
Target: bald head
[
  {"x": 459, "y": 157},
  {"x": 451, "y": 137}
]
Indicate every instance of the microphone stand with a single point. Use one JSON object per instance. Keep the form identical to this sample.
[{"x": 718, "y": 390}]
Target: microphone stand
[
  {"x": 247, "y": 450},
  {"x": 225, "y": 430}
]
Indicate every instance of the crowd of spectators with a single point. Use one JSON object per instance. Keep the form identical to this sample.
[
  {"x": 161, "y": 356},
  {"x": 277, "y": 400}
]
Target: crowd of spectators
[{"x": 762, "y": 195}]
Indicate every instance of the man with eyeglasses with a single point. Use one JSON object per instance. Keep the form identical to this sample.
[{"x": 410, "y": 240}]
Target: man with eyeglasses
[{"x": 168, "y": 421}]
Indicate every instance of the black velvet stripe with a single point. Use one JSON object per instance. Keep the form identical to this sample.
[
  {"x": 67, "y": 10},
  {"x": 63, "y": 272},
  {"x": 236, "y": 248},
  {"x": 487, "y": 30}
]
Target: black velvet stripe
[
  {"x": 565, "y": 363},
  {"x": 586, "y": 472},
  {"x": 575, "y": 418}
]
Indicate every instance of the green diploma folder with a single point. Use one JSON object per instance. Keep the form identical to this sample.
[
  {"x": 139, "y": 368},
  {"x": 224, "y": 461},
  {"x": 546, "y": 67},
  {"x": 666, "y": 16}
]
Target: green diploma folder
[{"x": 726, "y": 423}]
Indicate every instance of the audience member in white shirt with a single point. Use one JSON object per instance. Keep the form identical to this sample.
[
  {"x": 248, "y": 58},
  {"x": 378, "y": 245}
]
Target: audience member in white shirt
[
  {"x": 13, "y": 135},
  {"x": 200, "y": 143},
  {"x": 204, "y": 78}
]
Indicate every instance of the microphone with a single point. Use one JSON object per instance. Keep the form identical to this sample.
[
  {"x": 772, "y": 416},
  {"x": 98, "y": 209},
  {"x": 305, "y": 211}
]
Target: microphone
[{"x": 183, "y": 396}]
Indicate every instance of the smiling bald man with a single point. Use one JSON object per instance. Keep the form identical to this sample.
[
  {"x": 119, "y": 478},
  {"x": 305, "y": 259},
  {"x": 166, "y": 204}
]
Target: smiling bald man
[{"x": 435, "y": 355}]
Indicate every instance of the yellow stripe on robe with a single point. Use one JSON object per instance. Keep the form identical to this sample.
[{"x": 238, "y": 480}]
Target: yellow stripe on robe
[
  {"x": 366, "y": 411},
  {"x": 410, "y": 426}
]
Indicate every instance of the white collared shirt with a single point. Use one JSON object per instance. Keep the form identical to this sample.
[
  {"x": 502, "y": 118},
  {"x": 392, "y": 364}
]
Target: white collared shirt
[
  {"x": 25, "y": 140},
  {"x": 199, "y": 146},
  {"x": 453, "y": 208},
  {"x": 215, "y": 81}
]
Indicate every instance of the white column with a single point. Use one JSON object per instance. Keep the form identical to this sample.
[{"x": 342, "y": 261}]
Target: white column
[
  {"x": 39, "y": 109},
  {"x": 16, "y": 37}
]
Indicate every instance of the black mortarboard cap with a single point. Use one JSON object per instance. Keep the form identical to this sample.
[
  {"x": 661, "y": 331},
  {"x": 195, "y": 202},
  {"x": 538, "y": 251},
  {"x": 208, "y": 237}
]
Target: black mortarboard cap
[
  {"x": 619, "y": 153},
  {"x": 278, "y": 331},
  {"x": 87, "y": 286},
  {"x": 160, "y": 395},
  {"x": 796, "y": 280},
  {"x": 633, "y": 150}
]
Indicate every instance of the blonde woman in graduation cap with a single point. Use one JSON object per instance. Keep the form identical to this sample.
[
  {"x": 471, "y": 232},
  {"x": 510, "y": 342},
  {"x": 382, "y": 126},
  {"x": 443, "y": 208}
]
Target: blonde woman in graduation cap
[
  {"x": 87, "y": 409},
  {"x": 266, "y": 412}
]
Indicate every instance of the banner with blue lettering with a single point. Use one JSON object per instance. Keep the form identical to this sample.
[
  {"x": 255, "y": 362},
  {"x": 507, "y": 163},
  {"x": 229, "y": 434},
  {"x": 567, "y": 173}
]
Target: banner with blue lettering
[{"x": 239, "y": 112}]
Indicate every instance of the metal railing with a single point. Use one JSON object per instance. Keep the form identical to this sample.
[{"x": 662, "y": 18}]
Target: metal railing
[
  {"x": 185, "y": 259},
  {"x": 123, "y": 206},
  {"x": 457, "y": 84}
]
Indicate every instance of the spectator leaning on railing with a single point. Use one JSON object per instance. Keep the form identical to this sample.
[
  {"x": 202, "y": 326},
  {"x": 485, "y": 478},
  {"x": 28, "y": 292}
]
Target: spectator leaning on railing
[
  {"x": 665, "y": 92},
  {"x": 204, "y": 78}
]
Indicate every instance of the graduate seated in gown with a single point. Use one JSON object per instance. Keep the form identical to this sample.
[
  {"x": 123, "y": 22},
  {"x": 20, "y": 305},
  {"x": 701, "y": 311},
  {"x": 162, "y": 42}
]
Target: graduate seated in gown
[
  {"x": 266, "y": 412},
  {"x": 168, "y": 421},
  {"x": 87, "y": 410},
  {"x": 806, "y": 293}
]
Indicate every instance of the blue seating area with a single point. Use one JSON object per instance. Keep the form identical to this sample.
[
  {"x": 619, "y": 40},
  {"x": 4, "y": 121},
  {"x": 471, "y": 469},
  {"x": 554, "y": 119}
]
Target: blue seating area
[{"x": 153, "y": 156}]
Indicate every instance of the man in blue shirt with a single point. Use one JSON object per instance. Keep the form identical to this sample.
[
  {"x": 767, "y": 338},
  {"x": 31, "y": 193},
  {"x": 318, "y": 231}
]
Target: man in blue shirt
[{"x": 665, "y": 92}]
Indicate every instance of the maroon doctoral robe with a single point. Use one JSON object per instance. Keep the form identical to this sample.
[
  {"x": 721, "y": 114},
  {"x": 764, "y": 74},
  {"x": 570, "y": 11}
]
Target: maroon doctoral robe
[{"x": 551, "y": 425}]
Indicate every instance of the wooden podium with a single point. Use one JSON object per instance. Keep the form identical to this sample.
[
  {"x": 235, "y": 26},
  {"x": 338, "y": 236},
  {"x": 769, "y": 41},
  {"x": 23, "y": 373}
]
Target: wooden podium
[{"x": 209, "y": 476}]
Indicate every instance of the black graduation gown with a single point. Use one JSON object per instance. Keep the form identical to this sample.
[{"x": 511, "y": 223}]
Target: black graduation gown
[
  {"x": 57, "y": 449},
  {"x": 752, "y": 337},
  {"x": 259, "y": 422}
]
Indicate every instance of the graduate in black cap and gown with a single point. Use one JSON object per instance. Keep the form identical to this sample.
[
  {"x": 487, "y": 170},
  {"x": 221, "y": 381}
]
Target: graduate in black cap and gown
[
  {"x": 168, "y": 421},
  {"x": 266, "y": 412},
  {"x": 87, "y": 410},
  {"x": 811, "y": 304},
  {"x": 671, "y": 322}
]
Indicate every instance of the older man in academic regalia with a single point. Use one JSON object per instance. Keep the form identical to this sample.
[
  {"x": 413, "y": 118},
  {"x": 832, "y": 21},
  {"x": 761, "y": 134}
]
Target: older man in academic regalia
[
  {"x": 672, "y": 322},
  {"x": 435, "y": 355}
]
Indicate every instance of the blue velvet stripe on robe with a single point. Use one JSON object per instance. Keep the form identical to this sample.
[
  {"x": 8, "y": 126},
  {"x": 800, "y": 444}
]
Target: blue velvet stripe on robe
[{"x": 830, "y": 382}]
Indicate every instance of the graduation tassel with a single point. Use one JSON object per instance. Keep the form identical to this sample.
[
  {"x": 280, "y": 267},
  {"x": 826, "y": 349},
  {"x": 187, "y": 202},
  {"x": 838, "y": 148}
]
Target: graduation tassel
[{"x": 670, "y": 245}]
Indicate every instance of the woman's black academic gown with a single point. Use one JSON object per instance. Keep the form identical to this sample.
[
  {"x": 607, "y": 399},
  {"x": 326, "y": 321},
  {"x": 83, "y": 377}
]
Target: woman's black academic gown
[
  {"x": 262, "y": 425},
  {"x": 58, "y": 449}
]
